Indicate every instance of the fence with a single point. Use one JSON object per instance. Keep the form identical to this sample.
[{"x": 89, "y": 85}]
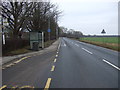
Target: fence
[{"x": 13, "y": 44}]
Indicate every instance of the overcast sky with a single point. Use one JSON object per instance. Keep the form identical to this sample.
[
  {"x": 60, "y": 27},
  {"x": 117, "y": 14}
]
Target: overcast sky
[{"x": 89, "y": 16}]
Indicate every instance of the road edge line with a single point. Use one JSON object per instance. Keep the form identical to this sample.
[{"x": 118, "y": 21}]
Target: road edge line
[{"x": 111, "y": 64}]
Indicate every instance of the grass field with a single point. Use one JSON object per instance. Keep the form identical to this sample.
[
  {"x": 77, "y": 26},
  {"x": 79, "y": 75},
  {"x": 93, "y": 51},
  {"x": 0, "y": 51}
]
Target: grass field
[{"x": 108, "y": 42}]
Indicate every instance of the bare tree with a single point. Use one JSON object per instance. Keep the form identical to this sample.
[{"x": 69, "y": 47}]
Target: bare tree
[
  {"x": 31, "y": 15},
  {"x": 43, "y": 13},
  {"x": 16, "y": 14}
]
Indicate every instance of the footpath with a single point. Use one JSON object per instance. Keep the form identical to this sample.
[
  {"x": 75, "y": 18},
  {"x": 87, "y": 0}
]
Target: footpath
[{"x": 53, "y": 47}]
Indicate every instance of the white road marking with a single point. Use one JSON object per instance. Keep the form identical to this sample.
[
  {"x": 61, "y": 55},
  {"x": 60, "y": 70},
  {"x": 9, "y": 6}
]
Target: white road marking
[
  {"x": 111, "y": 64},
  {"x": 77, "y": 45},
  {"x": 64, "y": 44},
  {"x": 87, "y": 51},
  {"x": 59, "y": 46}
]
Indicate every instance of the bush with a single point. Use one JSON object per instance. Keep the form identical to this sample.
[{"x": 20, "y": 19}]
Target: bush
[{"x": 13, "y": 44}]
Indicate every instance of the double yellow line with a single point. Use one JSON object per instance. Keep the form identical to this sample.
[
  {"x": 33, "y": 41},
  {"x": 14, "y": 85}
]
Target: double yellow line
[{"x": 3, "y": 87}]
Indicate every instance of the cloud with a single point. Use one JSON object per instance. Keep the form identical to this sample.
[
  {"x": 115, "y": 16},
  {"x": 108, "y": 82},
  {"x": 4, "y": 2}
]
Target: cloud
[{"x": 90, "y": 17}]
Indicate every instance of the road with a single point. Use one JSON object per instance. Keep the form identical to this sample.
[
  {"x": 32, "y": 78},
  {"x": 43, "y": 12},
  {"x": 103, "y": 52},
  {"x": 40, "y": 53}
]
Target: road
[{"x": 73, "y": 64}]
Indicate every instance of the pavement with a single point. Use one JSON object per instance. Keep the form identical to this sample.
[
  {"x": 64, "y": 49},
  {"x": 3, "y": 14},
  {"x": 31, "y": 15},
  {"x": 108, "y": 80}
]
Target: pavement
[
  {"x": 71, "y": 64},
  {"x": 7, "y": 59}
]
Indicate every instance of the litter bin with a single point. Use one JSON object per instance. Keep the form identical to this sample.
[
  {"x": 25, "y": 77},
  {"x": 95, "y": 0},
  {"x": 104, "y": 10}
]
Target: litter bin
[{"x": 35, "y": 46}]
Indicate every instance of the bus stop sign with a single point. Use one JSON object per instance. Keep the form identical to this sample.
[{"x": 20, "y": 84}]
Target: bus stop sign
[{"x": 49, "y": 30}]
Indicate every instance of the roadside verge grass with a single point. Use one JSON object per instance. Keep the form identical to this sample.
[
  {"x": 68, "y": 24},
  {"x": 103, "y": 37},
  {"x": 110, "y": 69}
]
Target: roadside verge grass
[{"x": 107, "y": 42}]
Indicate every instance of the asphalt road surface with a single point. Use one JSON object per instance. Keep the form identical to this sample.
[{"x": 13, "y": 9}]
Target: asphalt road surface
[{"x": 73, "y": 64}]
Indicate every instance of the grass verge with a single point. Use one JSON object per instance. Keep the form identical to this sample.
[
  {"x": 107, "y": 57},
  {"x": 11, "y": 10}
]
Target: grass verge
[
  {"x": 113, "y": 46},
  {"x": 48, "y": 43},
  {"x": 27, "y": 49},
  {"x": 18, "y": 51}
]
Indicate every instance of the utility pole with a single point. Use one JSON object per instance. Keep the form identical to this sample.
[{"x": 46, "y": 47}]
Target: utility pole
[
  {"x": 42, "y": 40},
  {"x": 3, "y": 37},
  {"x": 56, "y": 28}
]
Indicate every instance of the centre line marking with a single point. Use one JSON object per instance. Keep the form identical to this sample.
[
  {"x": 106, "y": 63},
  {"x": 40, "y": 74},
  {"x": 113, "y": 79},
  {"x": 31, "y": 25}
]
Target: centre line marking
[
  {"x": 64, "y": 44},
  {"x": 111, "y": 64},
  {"x": 59, "y": 46},
  {"x": 55, "y": 60},
  {"x": 57, "y": 52},
  {"x": 3, "y": 87},
  {"x": 56, "y": 55},
  {"x": 87, "y": 51},
  {"x": 77, "y": 45},
  {"x": 53, "y": 68},
  {"x": 47, "y": 84}
]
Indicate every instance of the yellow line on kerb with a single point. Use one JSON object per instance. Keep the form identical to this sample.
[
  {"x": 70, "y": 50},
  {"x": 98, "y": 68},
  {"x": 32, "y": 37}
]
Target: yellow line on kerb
[
  {"x": 27, "y": 86},
  {"x": 3, "y": 87},
  {"x": 23, "y": 58},
  {"x": 14, "y": 87},
  {"x": 47, "y": 84},
  {"x": 53, "y": 67}
]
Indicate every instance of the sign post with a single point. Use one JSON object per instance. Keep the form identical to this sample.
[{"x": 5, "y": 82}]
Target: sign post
[
  {"x": 49, "y": 30},
  {"x": 103, "y": 32},
  {"x": 42, "y": 39},
  {"x": 3, "y": 24}
]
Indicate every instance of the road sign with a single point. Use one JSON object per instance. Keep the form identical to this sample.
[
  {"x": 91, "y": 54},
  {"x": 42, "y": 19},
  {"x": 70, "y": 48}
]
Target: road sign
[
  {"x": 103, "y": 31},
  {"x": 49, "y": 30}
]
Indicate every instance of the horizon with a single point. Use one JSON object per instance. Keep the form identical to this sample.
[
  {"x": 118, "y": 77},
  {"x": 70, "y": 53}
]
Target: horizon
[{"x": 90, "y": 17}]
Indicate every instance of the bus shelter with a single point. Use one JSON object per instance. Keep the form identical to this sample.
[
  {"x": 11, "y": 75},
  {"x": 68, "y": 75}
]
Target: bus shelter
[{"x": 36, "y": 40}]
